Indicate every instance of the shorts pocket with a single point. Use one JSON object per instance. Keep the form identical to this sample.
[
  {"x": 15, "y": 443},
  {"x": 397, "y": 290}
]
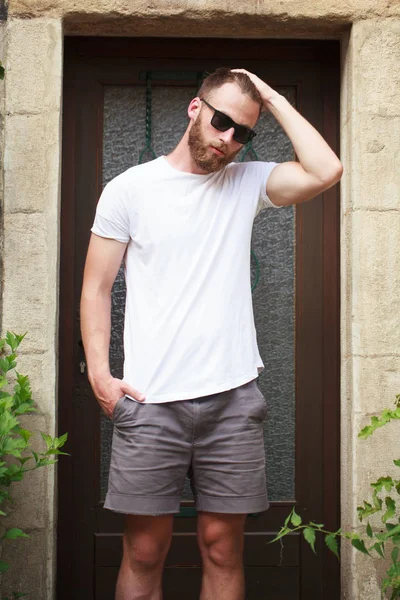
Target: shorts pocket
[
  {"x": 116, "y": 408},
  {"x": 263, "y": 404},
  {"x": 254, "y": 403}
]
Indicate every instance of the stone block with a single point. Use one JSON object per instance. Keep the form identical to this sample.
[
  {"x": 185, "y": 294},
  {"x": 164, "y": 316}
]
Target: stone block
[
  {"x": 32, "y": 162},
  {"x": 3, "y": 53},
  {"x": 376, "y": 161},
  {"x": 375, "y": 282},
  {"x": 368, "y": 575},
  {"x": 29, "y": 297},
  {"x": 376, "y": 381},
  {"x": 121, "y": 8},
  {"x": 29, "y": 566},
  {"x": 34, "y": 65},
  {"x": 377, "y": 66},
  {"x": 41, "y": 369}
]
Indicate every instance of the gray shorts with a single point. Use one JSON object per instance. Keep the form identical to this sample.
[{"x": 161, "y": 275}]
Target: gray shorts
[{"x": 217, "y": 440}]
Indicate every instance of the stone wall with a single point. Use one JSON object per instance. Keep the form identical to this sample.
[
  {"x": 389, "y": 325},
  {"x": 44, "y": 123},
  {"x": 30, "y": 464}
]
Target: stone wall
[
  {"x": 30, "y": 283},
  {"x": 370, "y": 220},
  {"x": 3, "y": 50},
  {"x": 370, "y": 257},
  {"x": 370, "y": 264},
  {"x": 286, "y": 18}
]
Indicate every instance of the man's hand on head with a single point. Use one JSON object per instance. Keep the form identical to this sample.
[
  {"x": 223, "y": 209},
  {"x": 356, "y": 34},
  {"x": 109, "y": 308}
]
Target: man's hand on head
[
  {"x": 266, "y": 92},
  {"x": 108, "y": 390}
]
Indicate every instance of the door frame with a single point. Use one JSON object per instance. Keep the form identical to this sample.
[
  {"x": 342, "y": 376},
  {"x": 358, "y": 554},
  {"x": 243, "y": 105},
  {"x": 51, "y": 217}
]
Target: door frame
[{"x": 327, "y": 52}]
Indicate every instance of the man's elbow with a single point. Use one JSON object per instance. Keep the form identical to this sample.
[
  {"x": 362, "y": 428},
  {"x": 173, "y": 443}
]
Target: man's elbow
[
  {"x": 94, "y": 291},
  {"x": 332, "y": 175}
]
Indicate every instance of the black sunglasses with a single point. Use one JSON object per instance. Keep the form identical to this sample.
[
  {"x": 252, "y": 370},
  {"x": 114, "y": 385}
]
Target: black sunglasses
[{"x": 222, "y": 122}]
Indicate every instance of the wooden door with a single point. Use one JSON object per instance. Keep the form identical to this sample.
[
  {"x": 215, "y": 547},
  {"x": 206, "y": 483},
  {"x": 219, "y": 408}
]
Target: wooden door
[{"x": 296, "y": 307}]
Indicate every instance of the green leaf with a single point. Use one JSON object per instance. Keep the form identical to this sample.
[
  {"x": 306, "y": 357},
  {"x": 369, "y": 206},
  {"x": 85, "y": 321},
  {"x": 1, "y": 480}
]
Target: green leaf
[
  {"x": 295, "y": 519},
  {"x": 395, "y": 555},
  {"x": 23, "y": 408},
  {"x": 7, "y": 424},
  {"x": 2, "y": 513},
  {"x": 392, "y": 532},
  {"x": 59, "y": 442},
  {"x": 286, "y": 523},
  {"x": 368, "y": 510},
  {"x": 13, "y": 340},
  {"x": 391, "y": 509},
  {"x": 3, "y": 566},
  {"x": 317, "y": 525},
  {"x": 369, "y": 530},
  {"x": 387, "y": 482},
  {"x": 48, "y": 439},
  {"x": 284, "y": 531},
  {"x": 397, "y": 462},
  {"x": 14, "y": 533},
  {"x": 55, "y": 452},
  {"x": 13, "y": 446},
  {"x": 309, "y": 536},
  {"x": 366, "y": 432},
  {"x": 378, "y": 502},
  {"x": 15, "y": 472},
  {"x": 359, "y": 545},
  {"x": 25, "y": 434},
  {"x": 392, "y": 529},
  {"x": 24, "y": 460},
  {"x": 378, "y": 547},
  {"x": 332, "y": 543},
  {"x": 4, "y": 495}
]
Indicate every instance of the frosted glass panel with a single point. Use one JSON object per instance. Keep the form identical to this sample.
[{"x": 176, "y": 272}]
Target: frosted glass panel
[{"x": 273, "y": 244}]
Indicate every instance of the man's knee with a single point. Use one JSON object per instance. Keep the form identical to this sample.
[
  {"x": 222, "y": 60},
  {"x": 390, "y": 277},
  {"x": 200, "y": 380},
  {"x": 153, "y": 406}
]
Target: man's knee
[
  {"x": 222, "y": 542},
  {"x": 146, "y": 547}
]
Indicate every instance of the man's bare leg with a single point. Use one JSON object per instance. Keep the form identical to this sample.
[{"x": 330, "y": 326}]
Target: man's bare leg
[
  {"x": 145, "y": 546},
  {"x": 220, "y": 538}
]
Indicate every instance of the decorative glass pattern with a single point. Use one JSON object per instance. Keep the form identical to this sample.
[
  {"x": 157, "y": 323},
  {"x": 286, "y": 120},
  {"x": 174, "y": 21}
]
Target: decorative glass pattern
[{"x": 273, "y": 244}]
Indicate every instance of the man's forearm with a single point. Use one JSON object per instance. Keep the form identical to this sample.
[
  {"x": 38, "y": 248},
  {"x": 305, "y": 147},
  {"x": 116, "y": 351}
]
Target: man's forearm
[
  {"x": 314, "y": 154},
  {"x": 96, "y": 327}
]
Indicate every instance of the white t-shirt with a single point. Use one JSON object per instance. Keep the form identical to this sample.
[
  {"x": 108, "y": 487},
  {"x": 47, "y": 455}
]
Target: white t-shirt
[{"x": 189, "y": 326}]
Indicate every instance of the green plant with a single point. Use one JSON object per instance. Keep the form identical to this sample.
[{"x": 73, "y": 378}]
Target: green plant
[
  {"x": 384, "y": 500},
  {"x": 17, "y": 456}
]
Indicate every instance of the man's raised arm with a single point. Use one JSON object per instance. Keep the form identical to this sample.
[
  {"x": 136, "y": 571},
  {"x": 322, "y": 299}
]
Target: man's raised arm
[{"x": 318, "y": 168}]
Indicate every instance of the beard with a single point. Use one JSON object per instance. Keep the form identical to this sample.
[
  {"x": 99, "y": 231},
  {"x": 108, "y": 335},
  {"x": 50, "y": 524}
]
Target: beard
[{"x": 200, "y": 151}]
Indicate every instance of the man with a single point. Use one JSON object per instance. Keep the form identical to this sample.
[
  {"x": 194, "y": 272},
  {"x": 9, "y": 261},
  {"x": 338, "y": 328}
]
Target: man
[{"x": 189, "y": 402}]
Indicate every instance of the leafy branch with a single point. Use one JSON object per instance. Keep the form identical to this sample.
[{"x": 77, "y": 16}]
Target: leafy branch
[
  {"x": 386, "y": 416},
  {"x": 17, "y": 456},
  {"x": 384, "y": 500}
]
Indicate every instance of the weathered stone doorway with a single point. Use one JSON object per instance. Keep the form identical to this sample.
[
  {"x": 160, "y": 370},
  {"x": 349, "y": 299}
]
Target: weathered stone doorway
[{"x": 95, "y": 73}]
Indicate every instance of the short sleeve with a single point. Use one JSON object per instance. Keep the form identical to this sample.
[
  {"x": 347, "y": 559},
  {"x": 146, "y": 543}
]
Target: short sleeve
[
  {"x": 112, "y": 218},
  {"x": 262, "y": 171},
  {"x": 264, "y": 199}
]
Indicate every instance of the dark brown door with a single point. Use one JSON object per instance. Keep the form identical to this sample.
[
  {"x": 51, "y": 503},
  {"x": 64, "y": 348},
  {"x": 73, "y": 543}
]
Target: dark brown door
[{"x": 295, "y": 275}]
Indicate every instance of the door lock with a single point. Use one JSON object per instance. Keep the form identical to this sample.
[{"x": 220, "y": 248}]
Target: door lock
[{"x": 82, "y": 366}]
